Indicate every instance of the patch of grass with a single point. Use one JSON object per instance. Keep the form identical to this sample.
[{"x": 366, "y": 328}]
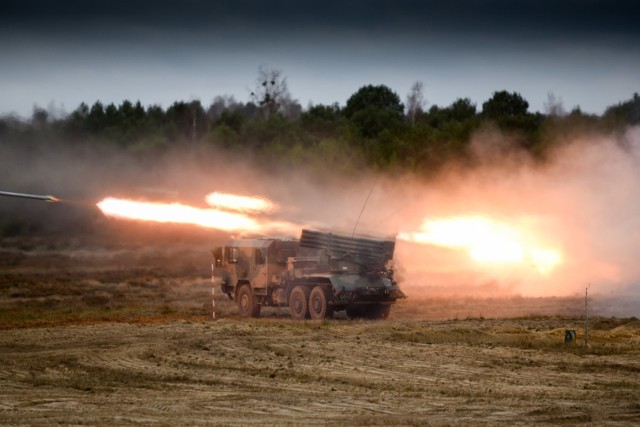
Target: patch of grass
[
  {"x": 53, "y": 314},
  {"x": 553, "y": 340},
  {"x": 618, "y": 385}
]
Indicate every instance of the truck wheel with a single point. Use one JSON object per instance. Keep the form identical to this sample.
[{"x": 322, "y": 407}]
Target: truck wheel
[
  {"x": 298, "y": 303},
  {"x": 383, "y": 311},
  {"x": 378, "y": 311},
  {"x": 318, "y": 306},
  {"x": 354, "y": 312},
  {"x": 371, "y": 311},
  {"x": 246, "y": 304}
]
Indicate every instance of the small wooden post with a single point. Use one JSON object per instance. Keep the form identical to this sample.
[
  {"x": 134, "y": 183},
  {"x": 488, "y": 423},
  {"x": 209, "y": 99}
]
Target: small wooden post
[
  {"x": 586, "y": 316},
  {"x": 213, "y": 292}
]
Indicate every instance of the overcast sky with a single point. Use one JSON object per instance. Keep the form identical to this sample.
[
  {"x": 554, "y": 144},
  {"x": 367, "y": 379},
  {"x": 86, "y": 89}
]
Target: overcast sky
[{"x": 585, "y": 52}]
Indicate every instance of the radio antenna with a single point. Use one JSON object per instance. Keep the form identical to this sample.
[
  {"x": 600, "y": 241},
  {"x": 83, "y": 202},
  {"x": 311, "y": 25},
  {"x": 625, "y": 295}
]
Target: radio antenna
[{"x": 364, "y": 206}]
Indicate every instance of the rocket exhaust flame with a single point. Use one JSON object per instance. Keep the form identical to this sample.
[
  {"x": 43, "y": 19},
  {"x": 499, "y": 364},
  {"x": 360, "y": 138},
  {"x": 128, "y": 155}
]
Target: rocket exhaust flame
[
  {"x": 178, "y": 213},
  {"x": 487, "y": 241},
  {"x": 239, "y": 203}
]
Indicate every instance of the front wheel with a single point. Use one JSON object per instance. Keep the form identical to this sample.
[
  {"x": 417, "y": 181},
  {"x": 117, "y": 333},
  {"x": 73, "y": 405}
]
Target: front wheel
[
  {"x": 298, "y": 303},
  {"x": 318, "y": 305},
  {"x": 247, "y": 305}
]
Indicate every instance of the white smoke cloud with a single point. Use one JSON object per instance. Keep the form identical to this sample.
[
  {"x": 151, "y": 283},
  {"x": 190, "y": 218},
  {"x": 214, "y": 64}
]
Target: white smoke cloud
[{"x": 583, "y": 201}]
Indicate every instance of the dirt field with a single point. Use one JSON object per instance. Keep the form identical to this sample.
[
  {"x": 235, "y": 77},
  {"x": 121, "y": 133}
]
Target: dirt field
[{"x": 122, "y": 334}]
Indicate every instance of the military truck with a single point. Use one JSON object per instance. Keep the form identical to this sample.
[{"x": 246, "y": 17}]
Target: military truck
[{"x": 315, "y": 276}]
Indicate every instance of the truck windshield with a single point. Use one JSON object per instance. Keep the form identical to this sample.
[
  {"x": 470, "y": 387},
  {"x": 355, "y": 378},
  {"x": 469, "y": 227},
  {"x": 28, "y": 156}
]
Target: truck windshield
[{"x": 231, "y": 254}]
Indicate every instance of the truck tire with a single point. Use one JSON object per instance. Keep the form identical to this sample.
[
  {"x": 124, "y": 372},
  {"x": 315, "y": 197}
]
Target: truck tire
[
  {"x": 247, "y": 305},
  {"x": 298, "y": 303},
  {"x": 377, "y": 311},
  {"x": 318, "y": 304},
  {"x": 381, "y": 311},
  {"x": 355, "y": 312},
  {"x": 372, "y": 311}
]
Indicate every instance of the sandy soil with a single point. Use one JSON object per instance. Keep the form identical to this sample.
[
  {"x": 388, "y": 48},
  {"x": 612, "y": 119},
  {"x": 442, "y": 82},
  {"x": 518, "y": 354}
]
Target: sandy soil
[
  {"x": 123, "y": 335},
  {"x": 280, "y": 372}
]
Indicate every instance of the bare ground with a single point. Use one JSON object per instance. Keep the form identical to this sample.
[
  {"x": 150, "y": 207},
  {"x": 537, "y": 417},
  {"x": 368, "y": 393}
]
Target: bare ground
[{"x": 122, "y": 334}]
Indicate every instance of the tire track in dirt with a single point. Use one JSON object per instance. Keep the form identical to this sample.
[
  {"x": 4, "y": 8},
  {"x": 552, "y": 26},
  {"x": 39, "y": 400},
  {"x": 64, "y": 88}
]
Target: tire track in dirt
[{"x": 283, "y": 372}]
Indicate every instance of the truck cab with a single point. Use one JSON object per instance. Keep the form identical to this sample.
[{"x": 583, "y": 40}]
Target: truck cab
[{"x": 258, "y": 262}]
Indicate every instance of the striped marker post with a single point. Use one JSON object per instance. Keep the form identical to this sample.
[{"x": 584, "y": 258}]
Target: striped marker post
[{"x": 213, "y": 291}]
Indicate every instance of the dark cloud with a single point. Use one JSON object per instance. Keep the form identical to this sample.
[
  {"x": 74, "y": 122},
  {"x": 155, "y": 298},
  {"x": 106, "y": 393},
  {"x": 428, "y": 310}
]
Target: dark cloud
[
  {"x": 586, "y": 51},
  {"x": 531, "y": 18}
]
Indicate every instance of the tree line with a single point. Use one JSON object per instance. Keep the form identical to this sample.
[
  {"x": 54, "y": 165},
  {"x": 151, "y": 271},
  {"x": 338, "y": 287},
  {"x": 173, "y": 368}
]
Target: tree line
[{"x": 374, "y": 127}]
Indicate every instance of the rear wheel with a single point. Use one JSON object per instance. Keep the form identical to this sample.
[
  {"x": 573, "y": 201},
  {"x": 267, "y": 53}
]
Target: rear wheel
[
  {"x": 247, "y": 305},
  {"x": 318, "y": 304},
  {"x": 381, "y": 311},
  {"x": 377, "y": 311},
  {"x": 372, "y": 311},
  {"x": 355, "y": 312},
  {"x": 298, "y": 303}
]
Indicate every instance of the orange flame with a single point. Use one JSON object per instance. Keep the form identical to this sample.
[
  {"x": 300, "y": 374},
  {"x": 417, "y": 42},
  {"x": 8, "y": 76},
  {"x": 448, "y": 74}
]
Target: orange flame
[
  {"x": 239, "y": 203},
  {"x": 176, "y": 213},
  {"x": 182, "y": 214},
  {"x": 486, "y": 241}
]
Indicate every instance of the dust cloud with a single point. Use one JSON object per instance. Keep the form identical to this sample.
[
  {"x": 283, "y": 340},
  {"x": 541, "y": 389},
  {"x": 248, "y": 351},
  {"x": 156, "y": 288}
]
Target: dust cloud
[{"x": 581, "y": 201}]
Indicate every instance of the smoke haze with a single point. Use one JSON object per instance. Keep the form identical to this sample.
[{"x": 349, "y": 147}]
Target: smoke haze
[{"x": 581, "y": 201}]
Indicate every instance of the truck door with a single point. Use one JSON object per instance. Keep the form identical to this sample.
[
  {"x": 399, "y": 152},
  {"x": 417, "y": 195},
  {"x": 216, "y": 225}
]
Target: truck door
[{"x": 259, "y": 273}]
